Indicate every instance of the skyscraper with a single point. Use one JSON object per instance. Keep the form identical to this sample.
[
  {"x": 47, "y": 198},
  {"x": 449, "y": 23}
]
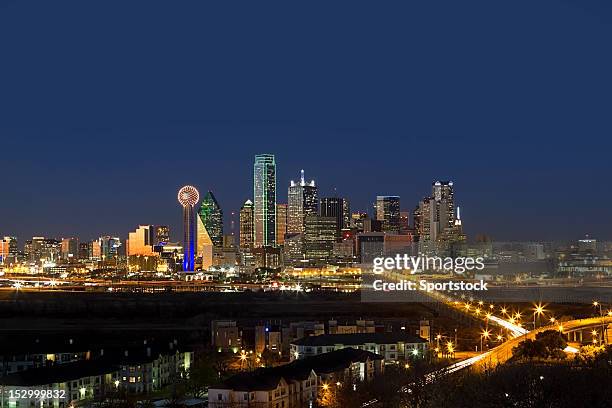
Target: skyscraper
[
  {"x": 319, "y": 238},
  {"x": 335, "y": 207},
  {"x": 211, "y": 215},
  {"x": 434, "y": 218},
  {"x": 281, "y": 223},
  {"x": 8, "y": 248},
  {"x": 443, "y": 192},
  {"x": 188, "y": 196},
  {"x": 422, "y": 219},
  {"x": 246, "y": 224},
  {"x": 404, "y": 222},
  {"x": 302, "y": 202},
  {"x": 388, "y": 213},
  {"x": 204, "y": 244},
  {"x": 162, "y": 234},
  {"x": 141, "y": 241},
  {"x": 442, "y": 211},
  {"x": 109, "y": 247},
  {"x": 264, "y": 193},
  {"x": 70, "y": 249}
]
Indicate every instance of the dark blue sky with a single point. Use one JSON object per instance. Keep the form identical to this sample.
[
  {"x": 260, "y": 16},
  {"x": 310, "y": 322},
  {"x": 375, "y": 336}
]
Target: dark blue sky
[{"x": 107, "y": 108}]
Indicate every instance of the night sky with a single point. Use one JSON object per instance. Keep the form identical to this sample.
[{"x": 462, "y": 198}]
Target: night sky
[{"x": 107, "y": 108}]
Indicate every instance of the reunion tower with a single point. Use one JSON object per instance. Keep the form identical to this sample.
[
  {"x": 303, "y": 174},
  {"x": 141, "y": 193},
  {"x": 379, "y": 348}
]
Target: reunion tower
[{"x": 188, "y": 197}]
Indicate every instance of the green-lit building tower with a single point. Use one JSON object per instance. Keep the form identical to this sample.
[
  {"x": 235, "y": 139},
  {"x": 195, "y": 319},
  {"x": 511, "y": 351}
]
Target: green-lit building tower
[{"x": 211, "y": 215}]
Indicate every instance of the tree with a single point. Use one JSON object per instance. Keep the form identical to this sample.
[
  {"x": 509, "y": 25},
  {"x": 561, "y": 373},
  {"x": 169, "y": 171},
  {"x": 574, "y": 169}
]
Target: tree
[
  {"x": 548, "y": 344},
  {"x": 202, "y": 374}
]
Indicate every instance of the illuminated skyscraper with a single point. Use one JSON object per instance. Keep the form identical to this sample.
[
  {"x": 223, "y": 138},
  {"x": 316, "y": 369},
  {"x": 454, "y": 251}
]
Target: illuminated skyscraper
[
  {"x": 404, "y": 222},
  {"x": 302, "y": 202},
  {"x": 281, "y": 223},
  {"x": 442, "y": 211},
  {"x": 140, "y": 242},
  {"x": 70, "y": 249},
  {"x": 246, "y": 224},
  {"x": 162, "y": 234},
  {"x": 188, "y": 196},
  {"x": 8, "y": 248},
  {"x": 42, "y": 250},
  {"x": 211, "y": 215},
  {"x": 335, "y": 207},
  {"x": 434, "y": 218},
  {"x": 264, "y": 193},
  {"x": 388, "y": 213},
  {"x": 204, "y": 245},
  {"x": 319, "y": 238},
  {"x": 107, "y": 247}
]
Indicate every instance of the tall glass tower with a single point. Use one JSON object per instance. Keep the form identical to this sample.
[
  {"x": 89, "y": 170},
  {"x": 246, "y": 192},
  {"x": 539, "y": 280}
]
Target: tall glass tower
[
  {"x": 188, "y": 196},
  {"x": 211, "y": 215},
  {"x": 302, "y": 202},
  {"x": 264, "y": 194},
  {"x": 388, "y": 212}
]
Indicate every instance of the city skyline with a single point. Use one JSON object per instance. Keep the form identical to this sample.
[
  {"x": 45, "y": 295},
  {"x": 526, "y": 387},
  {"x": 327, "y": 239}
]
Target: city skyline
[
  {"x": 396, "y": 98},
  {"x": 305, "y": 204},
  {"x": 282, "y": 196}
]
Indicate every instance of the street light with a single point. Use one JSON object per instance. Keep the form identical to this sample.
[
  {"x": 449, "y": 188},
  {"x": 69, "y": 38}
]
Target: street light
[
  {"x": 537, "y": 311},
  {"x": 485, "y": 334},
  {"x": 603, "y": 329},
  {"x": 450, "y": 348}
]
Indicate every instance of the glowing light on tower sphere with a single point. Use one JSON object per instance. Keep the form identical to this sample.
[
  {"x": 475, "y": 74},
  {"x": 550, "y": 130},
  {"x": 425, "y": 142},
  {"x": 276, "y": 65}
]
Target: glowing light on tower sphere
[{"x": 188, "y": 195}]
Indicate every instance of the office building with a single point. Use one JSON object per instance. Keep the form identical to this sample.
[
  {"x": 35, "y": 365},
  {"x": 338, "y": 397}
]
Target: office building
[
  {"x": 141, "y": 241},
  {"x": 108, "y": 247},
  {"x": 370, "y": 245},
  {"x": 337, "y": 208},
  {"x": 162, "y": 234},
  {"x": 205, "y": 248},
  {"x": 404, "y": 222},
  {"x": 8, "y": 249},
  {"x": 281, "y": 223},
  {"x": 40, "y": 250},
  {"x": 211, "y": 215},
  {"x": 388, "y": 213},
  {"x": 442, "y": 208},
  {"x": 246, "y": 225},
  {"x": 70, "y": 249},
  {"x": 302, "y": 202},
  {"x": 264, "y": 193},
  {"x": 319, "y": 238}
]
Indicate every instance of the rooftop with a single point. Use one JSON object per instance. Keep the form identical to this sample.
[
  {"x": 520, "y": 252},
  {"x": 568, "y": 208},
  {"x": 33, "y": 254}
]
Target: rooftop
[
  {"x": 359, "y": 338},
  {"x": 265, "y": 379}
]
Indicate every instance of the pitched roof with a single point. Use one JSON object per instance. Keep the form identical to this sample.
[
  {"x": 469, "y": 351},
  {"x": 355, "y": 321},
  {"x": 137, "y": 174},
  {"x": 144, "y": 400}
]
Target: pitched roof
[
  {"x": 358, "y": 338},
  {"x": 266, "y": 379}
]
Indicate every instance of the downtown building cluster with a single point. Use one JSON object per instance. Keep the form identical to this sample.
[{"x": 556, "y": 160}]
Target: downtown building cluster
[
  {"x": 309, "y": 230},
  {"x": 315, "y": 231}
]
